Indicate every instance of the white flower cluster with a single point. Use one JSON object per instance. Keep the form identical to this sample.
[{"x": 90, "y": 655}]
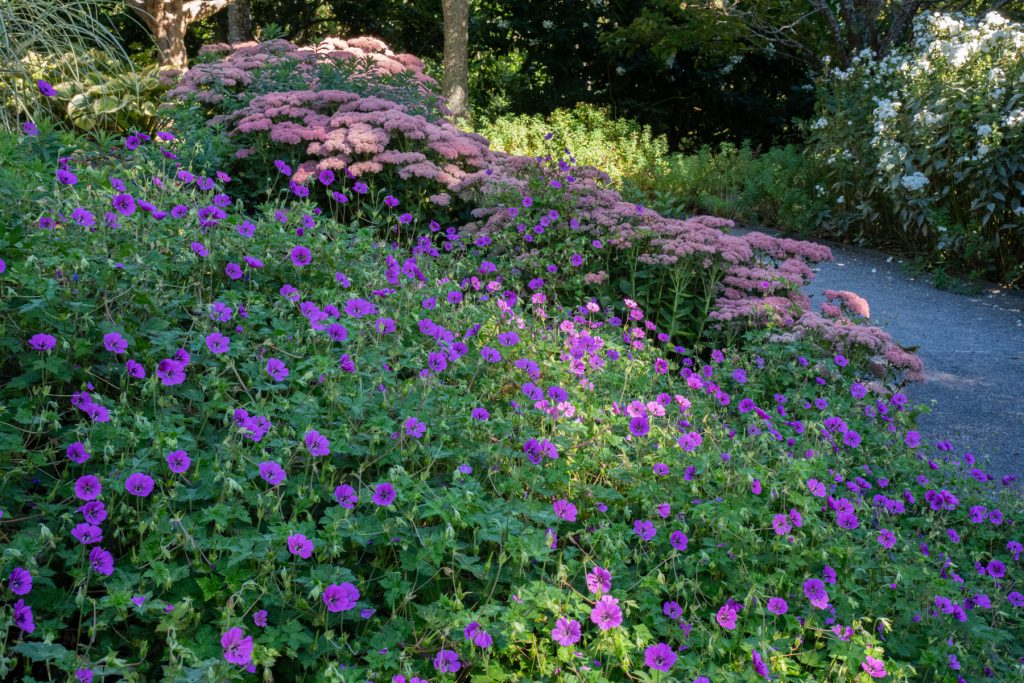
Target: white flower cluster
[
  {"x": 914, "y": 181},
  {"x": 945, "y": 110}
]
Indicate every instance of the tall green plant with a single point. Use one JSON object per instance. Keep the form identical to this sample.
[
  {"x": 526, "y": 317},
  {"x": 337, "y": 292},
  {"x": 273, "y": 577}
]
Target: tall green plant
[{"x": 56, "y": 36}]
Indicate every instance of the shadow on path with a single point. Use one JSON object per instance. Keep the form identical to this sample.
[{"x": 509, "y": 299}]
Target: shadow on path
[{"x": 972, "y": 347}]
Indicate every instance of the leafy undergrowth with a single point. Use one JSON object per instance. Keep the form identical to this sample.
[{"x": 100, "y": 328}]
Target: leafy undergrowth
[
  {"x": 272, "y": 441},
  {"x": 248, "y": 442}
]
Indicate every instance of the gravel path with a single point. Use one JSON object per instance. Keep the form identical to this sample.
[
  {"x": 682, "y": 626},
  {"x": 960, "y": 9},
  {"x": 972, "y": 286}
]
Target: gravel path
[{"x": 972, "y": 347}]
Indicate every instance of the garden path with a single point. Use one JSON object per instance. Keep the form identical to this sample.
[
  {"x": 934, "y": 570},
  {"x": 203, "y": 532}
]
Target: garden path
[{"x": 972, "y": 346}]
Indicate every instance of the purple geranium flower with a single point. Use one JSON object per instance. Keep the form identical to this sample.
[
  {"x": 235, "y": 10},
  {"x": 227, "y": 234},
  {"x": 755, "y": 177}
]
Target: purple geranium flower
[
  {"x": 606, "y": 613},
  {"x": 272, "y": 472},
  {"x": 139, "y": 484},
  {"x": 447, "y": 661},
  {"x": 300, "y": 256},
  {"x": 346, "y": 496},
  {"x": 20, "y": 581},
  {"x": 566, "y": 632},
  {"x": 42, "y": 342},
  {"x": 599, "y": 580},
  {"x": 88, "y": 487},
  {"x": 777, "y": 606},
  {"x": 299, "y": 545},
  {"x": 178, "y": 461},
  {"x": 277, "y": 369},
  {"x": 218, "y": 343},
  {"x": 23, "y": 617},
  {"x": 87, "y": 534},
  {"x": 76, "y": 452},
  {"x": 340, "y": 598},
  {"x": 115, "y": 343},
  {"x": 101, "y": 561},
  {"x": 237, "y": 646},
  {"x": 384, "y": 494},
  {"x": 317, "y": 443},
  {"x": 564, "y": 510},
  {"x": 660, "y": 657}
]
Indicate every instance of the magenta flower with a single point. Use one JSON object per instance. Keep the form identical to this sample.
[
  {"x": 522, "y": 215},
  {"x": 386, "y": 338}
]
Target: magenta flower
[
  {"x": 564, "y": 510},
  {"x": 606, "y": 613},
  {"x": 781, "y": 525},
  {"x": 300, "y": 256},
  {"x": 317, "y": 443},
  {"x": 124, "y": 204},
  {"x": 726, "y": 616},
  {"x": 93, "y": 511},
  {"x": 815, "y": 591},
  {"x": 277, "y": 369},
  {"x": 299, "y": 545},
  {"x": 886, "y": 538},
  {"x": 218, "y": 343},
  {"x": 23, "y": 617},
  {"x": 272, "y": 473},
  {"x": 31, "y": 129},
  {"x": 678, "y": 540},
  {"x": 87, "y": 534},
  {"x": 42, "y": 342},
  {"x": 759, "y": 664},
  {"x": 115, "y": 343},
  {"x": 639, "y": 426},
  {"x": 346, "y": 496},
  {"x": 777, "y": 606},
  {"x": 566, "y": 632},
  {"x": 45, "y": 88},
  {"x": 414, "y": 428},
  {"x": 645, "y": 529},
  {"x": 170, "y": 372},
  {"x": 237, "y": 646},
  {"x": 599, "y": 580},
  {"x": 233, "y": 270},
  {"x": 20, "y": 581},
  {"x": 88, "y": 488},
  {"x": 447, "y": 661},
  {"x": 384, "y": 494},
  {"x": 101, "y": 561},
  {"x": 178, "y": 461},
  {"x": 340, "y": 598},
  {"x": 135, "y": 369},
  {"x": 66, "y": 177},
  {"x": 139, "y": 484},
  {"x": 76, "y": 453},
  {"x": 874, "y": 667},
  {"x": 660, "y": 657},
  {"x": 259, "y": 618}
]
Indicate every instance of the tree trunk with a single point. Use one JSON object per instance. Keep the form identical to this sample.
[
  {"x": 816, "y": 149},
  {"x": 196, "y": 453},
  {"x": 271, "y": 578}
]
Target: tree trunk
[
  {"x": 455, "y": 86},
  {"x": 169, "y": 19},
  {"x": 169, "y": 30},
  {"x": 239, "y": 22}
]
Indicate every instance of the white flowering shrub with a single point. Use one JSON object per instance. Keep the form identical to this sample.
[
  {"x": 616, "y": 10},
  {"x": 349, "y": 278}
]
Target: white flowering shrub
[{"x": 924, "y": 149}]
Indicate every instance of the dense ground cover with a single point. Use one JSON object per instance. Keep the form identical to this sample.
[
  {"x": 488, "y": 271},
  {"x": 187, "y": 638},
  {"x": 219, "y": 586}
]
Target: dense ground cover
[{"x": 292, "y": 421}]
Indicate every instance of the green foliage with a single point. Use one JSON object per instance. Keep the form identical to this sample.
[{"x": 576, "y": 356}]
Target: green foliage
[
  {"x": 941, "y": 176},
  {"x": 68, "y": 40},
  {"x": 587, "y": 136},
  {"x": 472, "y": 535},
  {"x": 774, "y": 188}
]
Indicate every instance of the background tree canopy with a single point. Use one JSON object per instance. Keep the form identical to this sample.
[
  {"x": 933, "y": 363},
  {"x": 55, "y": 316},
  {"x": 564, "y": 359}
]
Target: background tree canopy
[{"x": 700, "y": 73}]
